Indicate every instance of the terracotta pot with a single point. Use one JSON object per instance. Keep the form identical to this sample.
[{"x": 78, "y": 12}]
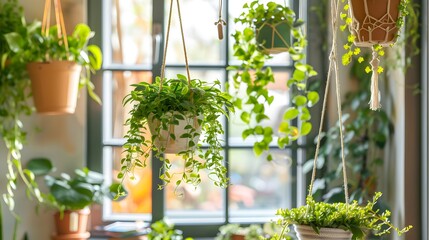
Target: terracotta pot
[
  {"x": 55, "y": 86},
  {"x": 179, "y": 144},
  {"x": 237, "y": 237},
  {"x": 374, "y": 21},
  {"x": 274, "y": 38},
  {"x": 72, "y": 222},
  {"x": 304, "y": 232},
  {"x": 73, "y": 236}
]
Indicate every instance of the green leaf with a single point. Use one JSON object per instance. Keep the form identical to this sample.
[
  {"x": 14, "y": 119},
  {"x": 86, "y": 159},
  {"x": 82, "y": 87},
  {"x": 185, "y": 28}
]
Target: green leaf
[
  {"x": 313, "y": 98},
  {"x": 300, "y": 100},
  {"x": 305, "y": 128},
  {"x": 245, "y": 117},
  {"x": 290, "y": 113},
  {"x": 15, "y": 41},
  {"x": 95, "y": 56},
  {"x": 40, "y": 166}
]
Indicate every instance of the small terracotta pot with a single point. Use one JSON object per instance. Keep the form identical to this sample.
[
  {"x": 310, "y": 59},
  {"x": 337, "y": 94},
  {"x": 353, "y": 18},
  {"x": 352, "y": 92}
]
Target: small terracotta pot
[
  {"x": 374, "y": 21},
  {"x": 55, "y": 86},
  {"x": 237, "y": 237},
  {"x": 72, "y": 236},
  {"x": 304, "y": 232},
  {"x": 274, "y": 38},
  {"x": 72, "y": 222},
  {"x": 174, "y": 145}
]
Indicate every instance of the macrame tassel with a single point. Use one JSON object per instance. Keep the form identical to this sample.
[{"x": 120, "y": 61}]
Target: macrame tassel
[{"x": 374, "y": 103}]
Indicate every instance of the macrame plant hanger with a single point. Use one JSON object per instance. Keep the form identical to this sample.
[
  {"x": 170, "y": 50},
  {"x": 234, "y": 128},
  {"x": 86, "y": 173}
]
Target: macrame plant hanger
[
  {"x": 59, "y": 20},
  {"x": 185, "y": 54},
  {"x": 369, "y": 25},
  {"x": 220, "y": 23},
  {"x": 333, "y": 67}
]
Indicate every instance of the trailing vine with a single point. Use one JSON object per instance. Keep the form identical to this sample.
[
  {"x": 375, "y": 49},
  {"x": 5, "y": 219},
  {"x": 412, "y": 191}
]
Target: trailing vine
[{"x": 254, "y": 77}]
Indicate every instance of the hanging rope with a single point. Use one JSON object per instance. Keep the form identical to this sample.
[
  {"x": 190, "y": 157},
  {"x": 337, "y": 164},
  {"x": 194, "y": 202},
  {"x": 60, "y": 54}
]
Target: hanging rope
[
  {"x": 220, "y": 23},
  {"x": 183, "y": 43},
  {"x": 333, "y": 66},
  {"x": 59, "y": 19}
]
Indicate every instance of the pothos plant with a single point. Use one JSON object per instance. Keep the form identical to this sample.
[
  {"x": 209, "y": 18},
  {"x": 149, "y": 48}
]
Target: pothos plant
[
  {"x": 169, "y": 101},
  {"x": 350, "y": 217},
  {"x": 14, "y": 97},
  {"x": 253, "y": 76}
]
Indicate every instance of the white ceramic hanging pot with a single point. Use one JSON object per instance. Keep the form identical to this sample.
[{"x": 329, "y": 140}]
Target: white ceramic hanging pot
[
  {"x": 304, "y": 232},
  {"x": 164, "y": 142}
]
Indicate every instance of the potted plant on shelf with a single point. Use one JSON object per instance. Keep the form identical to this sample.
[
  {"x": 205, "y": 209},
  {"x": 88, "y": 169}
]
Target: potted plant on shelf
[
  {"x": 254, "y": 77},
  {"x": 179, "y": 108},
  {"x": 55, "y": 62},
  {"x": 71, "y": 197}
]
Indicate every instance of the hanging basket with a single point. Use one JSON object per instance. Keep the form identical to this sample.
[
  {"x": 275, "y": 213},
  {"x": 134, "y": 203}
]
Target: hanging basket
[
  {"x": 55, "y": 86},
  {"x": 72, "y": 222},
  {"x": 374, "y": 21},
  {"x": 168, "y": 144},
  {"x": 304, "y": 232},
  {"x": 274, "y": 38}
]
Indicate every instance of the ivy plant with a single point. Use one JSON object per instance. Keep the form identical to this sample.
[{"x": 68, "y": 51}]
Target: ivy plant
[
  {"x": 14, "y": 97},
  {"x": 253, "y": 76},
  {"x": 169, "y": 101},
  {"x": 350, "y": 217}
]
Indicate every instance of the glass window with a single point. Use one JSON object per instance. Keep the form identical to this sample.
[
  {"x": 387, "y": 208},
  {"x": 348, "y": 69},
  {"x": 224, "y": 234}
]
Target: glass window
[{"x": 132, "y": 46}]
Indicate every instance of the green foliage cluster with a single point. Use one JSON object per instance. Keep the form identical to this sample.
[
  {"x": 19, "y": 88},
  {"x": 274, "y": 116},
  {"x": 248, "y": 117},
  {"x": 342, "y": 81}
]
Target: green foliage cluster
[
  {"x": 85, "y": 188},
  {"x": 366, "y": 135},
  {"x": 254, "y": 77},
  {"x": 14, "y": 97},
  {"x": 169, "y": 101},
  {"x": 252, "y": 232},
  {"x": 350, "y": 217},
  {"x": 29, "y": 45},
  {"x": 162, "y": 230}
]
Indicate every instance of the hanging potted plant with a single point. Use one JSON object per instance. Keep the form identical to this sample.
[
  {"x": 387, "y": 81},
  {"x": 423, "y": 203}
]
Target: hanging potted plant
[
  {"x": 253, "y": 77},
  {"x": 71, "y": 197},
  {"x": 273, "y": 24},
  {"x": 176, "y": 112},
  {"x": 374, "y": 24},
  {"x": 58, "y": 65},
  {"x": 346, "y": 220}
]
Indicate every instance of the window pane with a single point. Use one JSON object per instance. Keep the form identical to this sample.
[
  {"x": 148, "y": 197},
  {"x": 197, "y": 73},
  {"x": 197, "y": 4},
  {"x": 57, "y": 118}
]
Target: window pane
[
  {"x": 259, "y": 188},
  {"x": 139, "y": 198},
  {"x": 119, "y": 86},
  {"x": 131, "y": 38},
  {"x": 202, "y": 43},
  {"x": 186, "y": 201},
  {"x": 274, "y": 111}
]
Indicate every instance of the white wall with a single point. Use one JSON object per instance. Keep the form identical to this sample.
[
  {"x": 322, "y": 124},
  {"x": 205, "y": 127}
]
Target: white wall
[{"x": 60, "y": 138}]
